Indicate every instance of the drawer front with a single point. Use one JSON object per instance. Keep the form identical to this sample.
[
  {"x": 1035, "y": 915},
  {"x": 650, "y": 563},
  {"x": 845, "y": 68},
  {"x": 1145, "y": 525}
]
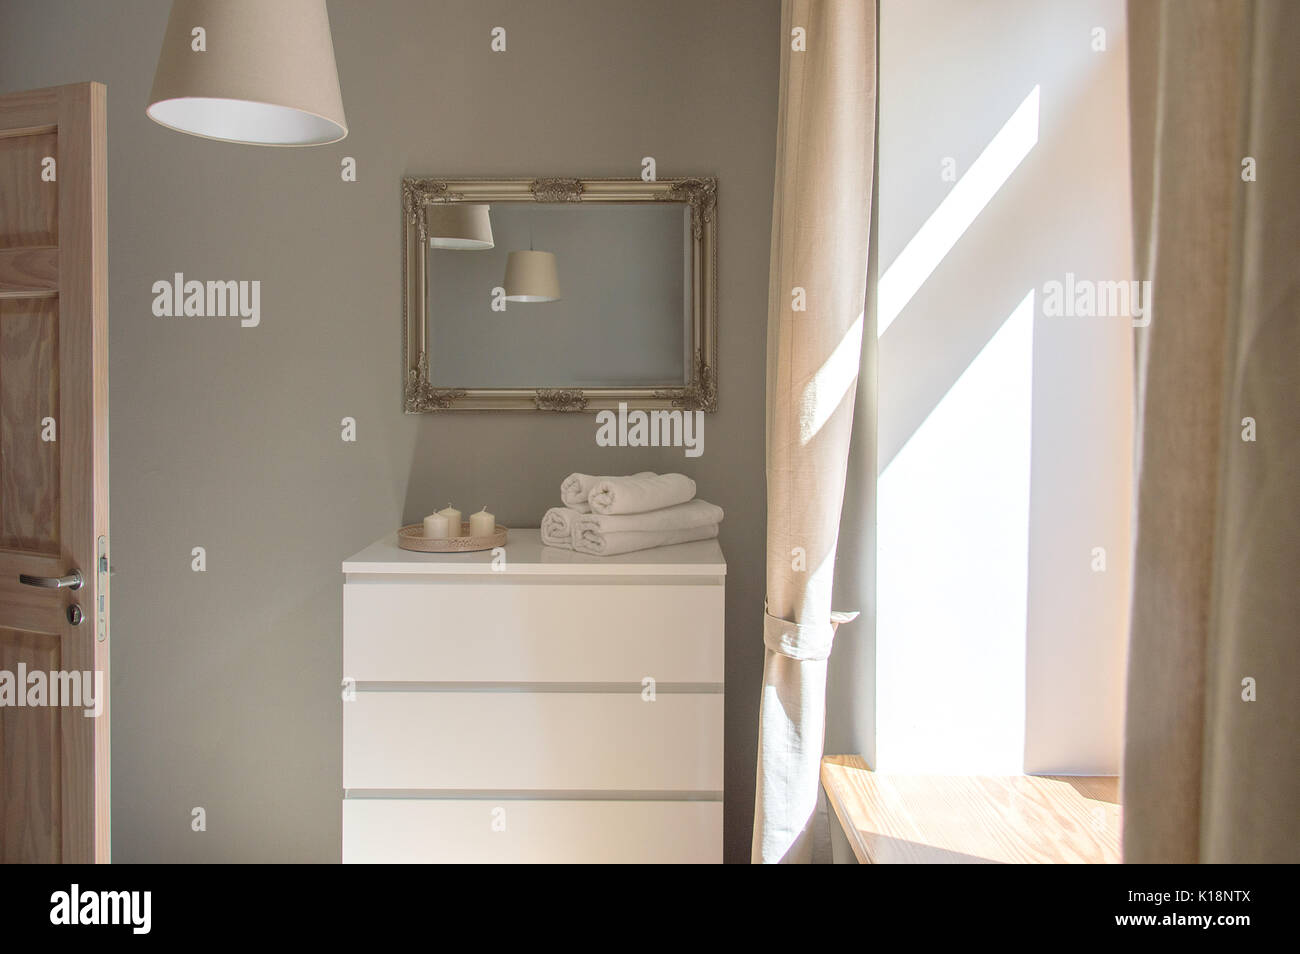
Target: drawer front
[
  {"x": 522, "y": 832},
  {"x": 532, "y": 632},
  {"x": 566, "y": 741}
]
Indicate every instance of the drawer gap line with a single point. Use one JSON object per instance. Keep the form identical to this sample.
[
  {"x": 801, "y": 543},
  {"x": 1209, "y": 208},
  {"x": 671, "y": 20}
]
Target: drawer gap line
[
  {"x": 532, "y": 795},
  {"x": 669, "y": 688}
]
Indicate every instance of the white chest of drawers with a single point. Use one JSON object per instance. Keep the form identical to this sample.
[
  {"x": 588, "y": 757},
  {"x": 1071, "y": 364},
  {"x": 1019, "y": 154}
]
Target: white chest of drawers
[{"x": 533, "y": 706}]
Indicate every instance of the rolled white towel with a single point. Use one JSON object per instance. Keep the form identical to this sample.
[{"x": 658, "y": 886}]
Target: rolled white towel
[
  {"x": 625, "y": 541},
  {"x": 576, "y": 488},
  {"x": 694, "y": 513},
  {"x": 557, "y": 527},
  {"x": 639, "y": 493}
]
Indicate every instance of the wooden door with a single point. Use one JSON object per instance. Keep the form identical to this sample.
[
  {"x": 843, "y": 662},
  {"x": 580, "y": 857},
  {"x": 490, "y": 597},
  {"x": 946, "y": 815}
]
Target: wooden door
[{"x": 53, "y": 475}]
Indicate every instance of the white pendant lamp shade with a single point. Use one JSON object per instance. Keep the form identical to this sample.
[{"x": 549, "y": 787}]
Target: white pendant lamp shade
[
  {"x": 458, "y": 225},
  {"x": 265, "y": 75},
  {"x": 532, "y": 276}
]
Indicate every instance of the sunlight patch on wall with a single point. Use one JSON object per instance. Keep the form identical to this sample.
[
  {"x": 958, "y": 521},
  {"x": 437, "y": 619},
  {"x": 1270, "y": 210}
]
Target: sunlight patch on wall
[
  {"x": 959, "y": 208},
  {"x": 953, "y": 511}
]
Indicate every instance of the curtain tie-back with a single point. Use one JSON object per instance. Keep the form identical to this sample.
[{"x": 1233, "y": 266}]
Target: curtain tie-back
[{"x": 803, "y": 640}]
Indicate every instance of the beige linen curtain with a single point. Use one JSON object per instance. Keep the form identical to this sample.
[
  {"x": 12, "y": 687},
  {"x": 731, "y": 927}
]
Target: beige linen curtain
[
  {"x": 816, "y": 294},
  {"x": 1211, "y": 771}
]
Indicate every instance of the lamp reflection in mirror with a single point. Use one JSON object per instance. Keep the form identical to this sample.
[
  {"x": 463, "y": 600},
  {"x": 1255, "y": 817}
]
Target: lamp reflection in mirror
[
  {"x": 459, "y": 225},
  {"x": 532, "y": 276},
  {"x": 249, "y": 71}
]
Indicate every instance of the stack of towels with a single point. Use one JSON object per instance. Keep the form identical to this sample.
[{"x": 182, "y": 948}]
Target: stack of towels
[{"x": 607, "y": 515}]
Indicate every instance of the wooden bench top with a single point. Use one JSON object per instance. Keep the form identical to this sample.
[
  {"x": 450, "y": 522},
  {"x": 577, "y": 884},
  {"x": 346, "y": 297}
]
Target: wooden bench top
[{"x": 927, "y": 819}]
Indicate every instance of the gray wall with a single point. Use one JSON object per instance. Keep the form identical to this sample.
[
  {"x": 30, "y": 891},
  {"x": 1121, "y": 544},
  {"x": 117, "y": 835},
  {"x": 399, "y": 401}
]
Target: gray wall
[{"x": 225, "y": 683}]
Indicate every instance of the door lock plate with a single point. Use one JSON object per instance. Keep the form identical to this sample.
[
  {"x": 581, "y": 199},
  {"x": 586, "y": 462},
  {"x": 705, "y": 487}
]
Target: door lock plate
[{"x": 101, "y": 589}]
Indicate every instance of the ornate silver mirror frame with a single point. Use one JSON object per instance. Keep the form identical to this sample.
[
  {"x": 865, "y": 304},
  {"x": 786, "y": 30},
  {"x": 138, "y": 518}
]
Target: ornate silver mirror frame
[{"x": 700, "y": 392}]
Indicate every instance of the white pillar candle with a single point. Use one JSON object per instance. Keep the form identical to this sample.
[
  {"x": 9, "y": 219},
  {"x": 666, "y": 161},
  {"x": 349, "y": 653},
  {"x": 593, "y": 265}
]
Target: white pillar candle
[
  {"x": 453, "y": 520},
  {"x": 435, "y": 526},
  {"x": 482, "y": 524}
]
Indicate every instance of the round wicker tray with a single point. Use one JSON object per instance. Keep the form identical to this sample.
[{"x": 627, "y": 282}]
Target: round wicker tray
[{"x": 411, "y": 537}]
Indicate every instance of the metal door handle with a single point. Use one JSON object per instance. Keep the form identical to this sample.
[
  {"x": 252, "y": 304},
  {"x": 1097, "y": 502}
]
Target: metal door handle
[{"x": 72, "y": 581}]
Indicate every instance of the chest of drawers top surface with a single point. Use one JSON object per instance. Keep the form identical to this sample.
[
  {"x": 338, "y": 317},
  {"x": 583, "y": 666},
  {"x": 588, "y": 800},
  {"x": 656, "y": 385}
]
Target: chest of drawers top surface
[{"x": 526, "y": 556}]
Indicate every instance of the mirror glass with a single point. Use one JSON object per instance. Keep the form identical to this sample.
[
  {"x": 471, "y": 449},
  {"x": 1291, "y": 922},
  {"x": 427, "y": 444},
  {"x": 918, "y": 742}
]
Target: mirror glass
[{"x": 623, "y": 316}]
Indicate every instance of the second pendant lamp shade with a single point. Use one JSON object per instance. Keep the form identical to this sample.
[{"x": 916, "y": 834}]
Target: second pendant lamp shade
[
  {"x": 532, "y": 276},
  {"x": 458, "y": 225},
  {"x": 265, "y": 74}
]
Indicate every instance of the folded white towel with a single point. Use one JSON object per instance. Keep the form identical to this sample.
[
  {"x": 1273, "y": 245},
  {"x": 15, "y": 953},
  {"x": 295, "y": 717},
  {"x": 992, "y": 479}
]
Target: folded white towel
[
  {"x": 557, "y": 527},
  {"x": 695, "y": 513},
  {"x": 639, "y": 493},
  {"x": 576, "y": 488},
  {"x": 574, "y": 491},
  {"x": 625, "y": 541}
]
